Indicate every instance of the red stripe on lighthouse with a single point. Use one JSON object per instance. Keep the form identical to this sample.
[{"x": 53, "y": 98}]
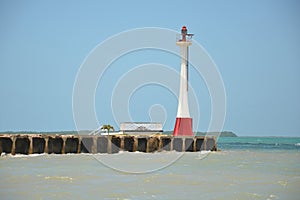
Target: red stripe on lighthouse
[{"x": 183, "y": 127}]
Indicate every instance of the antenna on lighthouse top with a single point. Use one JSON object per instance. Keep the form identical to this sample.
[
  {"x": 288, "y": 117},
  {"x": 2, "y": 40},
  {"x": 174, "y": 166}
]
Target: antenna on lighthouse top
[{"x": 185, "y": 36}]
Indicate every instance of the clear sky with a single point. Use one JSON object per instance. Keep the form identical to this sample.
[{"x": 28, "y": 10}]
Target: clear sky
[{"x": 255, "y": 44}]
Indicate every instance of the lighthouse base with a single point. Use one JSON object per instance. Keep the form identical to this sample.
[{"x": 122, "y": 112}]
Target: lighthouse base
[{"x": 183, "y": 127}]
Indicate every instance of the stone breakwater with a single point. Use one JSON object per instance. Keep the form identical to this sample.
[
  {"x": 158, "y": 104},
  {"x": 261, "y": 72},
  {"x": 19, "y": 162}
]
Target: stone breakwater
[{"x": 63, "y": 144}]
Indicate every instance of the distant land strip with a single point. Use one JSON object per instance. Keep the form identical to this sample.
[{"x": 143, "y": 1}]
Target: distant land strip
[{"x": 86, "y": 132}]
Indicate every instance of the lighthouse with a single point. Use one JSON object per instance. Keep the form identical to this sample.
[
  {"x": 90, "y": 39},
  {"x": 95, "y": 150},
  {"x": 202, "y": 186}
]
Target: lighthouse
[{"x": 184, "y": 123}]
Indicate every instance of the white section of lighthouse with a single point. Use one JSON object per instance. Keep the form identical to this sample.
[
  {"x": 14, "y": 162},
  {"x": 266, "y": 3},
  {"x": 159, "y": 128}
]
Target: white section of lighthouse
[{"x": 183, "y": 125}]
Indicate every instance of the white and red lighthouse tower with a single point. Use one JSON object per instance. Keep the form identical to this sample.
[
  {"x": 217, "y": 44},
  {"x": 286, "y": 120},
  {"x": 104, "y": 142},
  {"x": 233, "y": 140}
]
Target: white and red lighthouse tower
[{"x": 184, "y": 123}]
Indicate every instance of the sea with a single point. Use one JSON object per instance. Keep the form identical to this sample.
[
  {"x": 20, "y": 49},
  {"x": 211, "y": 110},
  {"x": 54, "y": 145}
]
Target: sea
[{"x": 244, "y": 168}]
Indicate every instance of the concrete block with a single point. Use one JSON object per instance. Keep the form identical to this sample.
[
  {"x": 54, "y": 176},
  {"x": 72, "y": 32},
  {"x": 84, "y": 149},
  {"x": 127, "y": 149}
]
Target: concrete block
[
  {"x": 129, "y": 143},
  {"x": 199, "y": 144},
  {"x": 22, "y": 145},
  {"x": 55, "y": 145},
  {"x": 102, "y": 144},
  {"x": 38, "y": 145},
  {"x": 142, "y": 144},
  {"x": 166, "y": 143},
  {"x": 177, "y": 144},
  {"x": 211, "y": 144},
  {"x": 86, "y": 145},
  {"x": 153, "y": 144},
  {"x": 189, "y": 144},
  {"x": 6, "y": 144},
  {"x": 115, "y": 144},
  {"x": 71, "y": 145}
]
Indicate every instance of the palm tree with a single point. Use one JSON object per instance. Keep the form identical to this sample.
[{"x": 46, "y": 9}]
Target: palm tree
[{"x": 107, "y": 127}]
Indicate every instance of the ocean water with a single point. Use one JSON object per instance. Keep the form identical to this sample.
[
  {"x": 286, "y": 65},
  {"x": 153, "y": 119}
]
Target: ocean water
[
  {"x": 259, "y": 143},
  {"x": 245, "y": 168}
]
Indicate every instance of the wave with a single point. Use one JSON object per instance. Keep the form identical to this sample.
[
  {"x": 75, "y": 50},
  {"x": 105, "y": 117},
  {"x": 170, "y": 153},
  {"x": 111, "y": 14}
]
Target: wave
[
  {"x": 62, "y": 178},
  {"x": 22, "y": 155},
  {"x": 9, "y": 155}
]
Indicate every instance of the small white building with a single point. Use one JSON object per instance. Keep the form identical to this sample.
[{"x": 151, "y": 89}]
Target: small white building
[{"x": 143, "y": 128}]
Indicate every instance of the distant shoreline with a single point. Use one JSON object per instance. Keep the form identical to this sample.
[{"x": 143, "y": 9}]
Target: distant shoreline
[{"x": 86, "y": 132}]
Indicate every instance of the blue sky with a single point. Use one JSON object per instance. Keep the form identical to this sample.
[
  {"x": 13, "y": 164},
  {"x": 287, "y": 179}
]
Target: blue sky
[{"x": 255, "y": 44}]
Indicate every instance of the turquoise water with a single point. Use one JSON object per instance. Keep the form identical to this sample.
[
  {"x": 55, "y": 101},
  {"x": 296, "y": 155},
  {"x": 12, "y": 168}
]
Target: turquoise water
[
  {"x": 245, "y": 168},
  {"x": 260, "y": 143}
]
